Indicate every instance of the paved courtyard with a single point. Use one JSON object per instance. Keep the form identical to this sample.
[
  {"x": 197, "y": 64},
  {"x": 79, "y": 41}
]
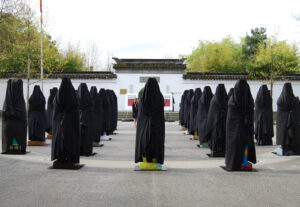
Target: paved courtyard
[{"x": 109, "y": 179}]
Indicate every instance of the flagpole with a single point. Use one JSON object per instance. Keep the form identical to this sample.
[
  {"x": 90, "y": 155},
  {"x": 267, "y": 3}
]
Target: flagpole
[{"x": 42, "y": 69}]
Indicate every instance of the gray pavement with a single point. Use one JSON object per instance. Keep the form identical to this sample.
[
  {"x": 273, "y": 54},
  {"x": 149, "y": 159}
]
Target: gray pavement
[{"x": 108, "y": 178}]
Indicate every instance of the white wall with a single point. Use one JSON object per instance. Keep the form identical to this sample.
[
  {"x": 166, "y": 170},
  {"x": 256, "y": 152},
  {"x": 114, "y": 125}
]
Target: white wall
[{"x": 175, "y": 82}]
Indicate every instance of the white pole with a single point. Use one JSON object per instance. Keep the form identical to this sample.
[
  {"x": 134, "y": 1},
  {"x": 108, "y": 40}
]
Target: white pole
[{"x": 42, "y": 70}]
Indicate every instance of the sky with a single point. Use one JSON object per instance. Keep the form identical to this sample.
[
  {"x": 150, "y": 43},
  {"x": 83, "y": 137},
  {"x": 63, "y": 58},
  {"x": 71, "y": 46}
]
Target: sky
[{"x": 164, "y": 28}]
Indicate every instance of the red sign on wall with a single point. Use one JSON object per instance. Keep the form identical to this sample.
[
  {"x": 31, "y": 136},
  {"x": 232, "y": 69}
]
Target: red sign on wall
[
  {"x": 130, "y": 101},
  {"x": 167, "y": 102}
]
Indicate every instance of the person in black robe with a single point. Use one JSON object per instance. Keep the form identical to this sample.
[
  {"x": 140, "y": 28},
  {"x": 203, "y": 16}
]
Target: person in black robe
[
  {"x": 37, "y": 115},
  {"x": 115, "y": 110},
  {"x": 135, "y": 109},
  {"x": 239, "y": 127},
  {"x": 216, "y": 122},
  {"x": 150, "y": 131},
  {"x": 230, "y": 93},
  {"x": 287, "y": 121},
  {"x": 203, "y": 107},
  {"x": 14, "y": 122},
  {"x": 86, "y": 120},
  {"x": 109, "y": 108},
  {"x": 104, "y": 114},
  {"x": 182, "y": 108},
  {"x": 193, "y": 111},
  {"x": 96, "y": 115},
  {"x": 66, "y": 127},
  {"x": 263, "y": 117},
  {"x": 113, "y": 117},
  {"x": 53, "y": 92},
  {"x": 187, "y": 109}
]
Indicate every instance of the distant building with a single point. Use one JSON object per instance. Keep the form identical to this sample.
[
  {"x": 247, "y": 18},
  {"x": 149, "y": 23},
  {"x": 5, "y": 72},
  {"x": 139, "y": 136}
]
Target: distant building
[{"x": 132, "y": 74}]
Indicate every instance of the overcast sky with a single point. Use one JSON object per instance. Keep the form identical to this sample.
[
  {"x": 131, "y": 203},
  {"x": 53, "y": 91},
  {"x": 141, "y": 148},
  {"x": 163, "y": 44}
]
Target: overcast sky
[{"x": 165, "y": 28}]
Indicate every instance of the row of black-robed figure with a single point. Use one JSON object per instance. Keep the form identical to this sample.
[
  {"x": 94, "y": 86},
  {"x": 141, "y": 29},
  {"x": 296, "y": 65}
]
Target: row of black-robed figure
[
  {"x": 75, "y": 119},
  {"x": 230, "y": 124}
]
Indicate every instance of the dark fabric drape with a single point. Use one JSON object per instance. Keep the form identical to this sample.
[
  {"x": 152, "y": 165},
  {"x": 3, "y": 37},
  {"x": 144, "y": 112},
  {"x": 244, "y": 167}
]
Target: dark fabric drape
[
  {"x": 230, "y": 93},
  {"x": 193, "y": 111},
  {"x": 134, "y": 109},
  {"x": 51, "y": 97},
  {"x": 86, "y": 120},
  {"x": 239, "y": 126},
  {"x": 187, "y": 107},
  {"x": 14, "y": 122},
  {"x": 109, "y": 112},
  {"x": 114, "y": 110},
  {"x": 263, "y": 117},
  {"x": 66, "y": 124},
  {"x": 182, "y": 108},
  {"x": 203, "y": 107},
  {"x": 216, "y": 120},
  {"x": 96, "y": 115},
  {"x": 37, "y": 115},
  {"x": 104, "y": 112},
  {"x": 150, "y": 132},
  {"x": 287, "y": 121}
]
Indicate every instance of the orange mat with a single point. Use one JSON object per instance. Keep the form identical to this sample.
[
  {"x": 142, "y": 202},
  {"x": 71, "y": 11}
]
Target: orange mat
[{"x": 36, "y": 143}]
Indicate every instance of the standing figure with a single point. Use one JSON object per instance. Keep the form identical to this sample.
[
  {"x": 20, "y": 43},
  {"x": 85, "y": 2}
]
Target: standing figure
[
  {"x": 216, "y": 122},
  {"x": 96, "y": 116},
  {"x": 53, "y": 93},
  {"x": 104, "y": 114},
  {"x": 182, "y": 110},
  {"x": 135, "y": 109},
  {"x": 173, "y": 102},
  {"x": 288, "y": 121},
  {"x": 187, "y": 109},
  {"x": 203, "y": 107},
  {"x": 193, "y": 112},
  {"x": 14, "y": 122},
  {"x": 37, "y": 118},
  {"x": 150, "y": 132},
  {"x": 86, "y": 120},
  {"x": 66, "y": 128},
  {"x": 263, "y": 117},
  {"x": 239, "y": 128}
]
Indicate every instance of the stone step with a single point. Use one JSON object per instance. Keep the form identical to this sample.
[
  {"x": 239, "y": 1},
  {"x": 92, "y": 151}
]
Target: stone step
[{"x": 168, "y": 115}]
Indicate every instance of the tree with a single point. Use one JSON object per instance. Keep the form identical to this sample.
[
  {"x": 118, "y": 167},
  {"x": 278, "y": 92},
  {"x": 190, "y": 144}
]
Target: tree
[
  {"x": 251, "y": 43},
  {"x": 222, "y": 57},
  {"x": 92, "y": 57},
  {"x": 274, "y": 58}
]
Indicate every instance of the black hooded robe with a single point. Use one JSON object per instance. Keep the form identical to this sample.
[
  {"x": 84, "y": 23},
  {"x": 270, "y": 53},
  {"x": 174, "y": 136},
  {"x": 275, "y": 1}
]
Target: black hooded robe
[
  {"x": 230, "y": 93},
  {"x": 193, "y": 111},
  {"x": 182, "y": 108},
  {"x": 115, "y": 110},
  {"x": 239, "y": 127},
  {"x": 187, "y": 114},
  {"x": 53, "y": 92},
  {"x": 104, "y": 112},
  {"x": 37, "y": 115},
  {"x": 66, "y": 124},
  {"x": 203, "y": 107},
  {"x": 96, "y": 108},
  {"x": 86, "y": 120},
  {"x": 216, "y": 121},
  {"x": 150, "y": 131},
  {"x": 287, "y": 121},
  {"x": 14, "y": 122},
  {"x": 263, "y": 117}
]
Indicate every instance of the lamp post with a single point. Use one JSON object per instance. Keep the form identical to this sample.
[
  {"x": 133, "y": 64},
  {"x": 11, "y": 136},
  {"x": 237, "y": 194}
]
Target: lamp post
[{"x": 42, "y": 69}]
